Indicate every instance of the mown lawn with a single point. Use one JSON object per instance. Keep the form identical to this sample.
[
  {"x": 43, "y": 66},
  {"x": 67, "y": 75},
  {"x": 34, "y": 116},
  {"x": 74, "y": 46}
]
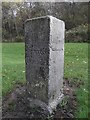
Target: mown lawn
[
  {"x": 75, "y": 69},
  {"x": 13, "y": 67}
]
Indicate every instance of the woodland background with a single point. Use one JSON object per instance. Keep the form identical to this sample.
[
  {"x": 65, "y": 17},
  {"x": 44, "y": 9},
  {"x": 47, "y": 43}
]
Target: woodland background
[{"x": 74, "y": 14}]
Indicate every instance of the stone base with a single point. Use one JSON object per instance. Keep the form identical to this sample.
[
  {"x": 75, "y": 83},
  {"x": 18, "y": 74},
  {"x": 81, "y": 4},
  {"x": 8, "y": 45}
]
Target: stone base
[
  {"x": 47, "y": 109},
  {"x": 54, "y": 104}
]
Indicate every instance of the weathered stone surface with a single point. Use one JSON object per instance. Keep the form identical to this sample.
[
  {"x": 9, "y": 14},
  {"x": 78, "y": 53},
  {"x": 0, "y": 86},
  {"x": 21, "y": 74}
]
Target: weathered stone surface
[{"x": 44, "y": 44}]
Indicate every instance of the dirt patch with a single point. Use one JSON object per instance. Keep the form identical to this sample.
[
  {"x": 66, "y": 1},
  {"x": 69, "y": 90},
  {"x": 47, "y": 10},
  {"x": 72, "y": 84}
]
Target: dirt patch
[{"x": 15, "y": 106}]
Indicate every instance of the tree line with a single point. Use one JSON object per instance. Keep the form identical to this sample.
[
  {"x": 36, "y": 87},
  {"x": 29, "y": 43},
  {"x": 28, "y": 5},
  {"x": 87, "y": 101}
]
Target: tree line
[{"x": 15, "y": 14}]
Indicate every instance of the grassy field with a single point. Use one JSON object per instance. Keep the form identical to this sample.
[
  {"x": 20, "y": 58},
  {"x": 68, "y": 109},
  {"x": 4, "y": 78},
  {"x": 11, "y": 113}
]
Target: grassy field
[
  {"x": 13, "y": 67},
  {"x": 75, "y": 69}
]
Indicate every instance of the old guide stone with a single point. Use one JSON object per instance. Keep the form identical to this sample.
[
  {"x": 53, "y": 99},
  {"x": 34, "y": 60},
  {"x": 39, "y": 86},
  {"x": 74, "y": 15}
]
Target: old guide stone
[{"x": 44, "y": 53}]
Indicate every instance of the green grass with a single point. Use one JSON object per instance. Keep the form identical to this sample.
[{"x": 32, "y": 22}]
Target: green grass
[
  {"x": 75, "y": 69},
  {"x": 13, "y": 67}
]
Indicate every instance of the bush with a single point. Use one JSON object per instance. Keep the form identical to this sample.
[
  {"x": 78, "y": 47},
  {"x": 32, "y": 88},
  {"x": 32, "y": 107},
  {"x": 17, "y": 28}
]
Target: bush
[
  {"x": 19, "y": 38},
  {"x": 5, "y": 35},
  {"x": 78, "y": 34}
]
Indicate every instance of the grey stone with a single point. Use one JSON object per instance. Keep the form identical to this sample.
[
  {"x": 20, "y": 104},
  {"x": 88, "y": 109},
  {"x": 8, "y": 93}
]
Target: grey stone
[{"x": 44, "y": 53}]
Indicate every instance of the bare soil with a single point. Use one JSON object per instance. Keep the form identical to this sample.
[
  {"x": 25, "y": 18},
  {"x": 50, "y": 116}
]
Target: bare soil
[{"x": 14, "y": 105}]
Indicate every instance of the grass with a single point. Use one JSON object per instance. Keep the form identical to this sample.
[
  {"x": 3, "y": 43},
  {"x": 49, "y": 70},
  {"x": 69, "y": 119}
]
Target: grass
[
  {"x": 13, "y": 67},
  {"x": 75, "y": 69}
]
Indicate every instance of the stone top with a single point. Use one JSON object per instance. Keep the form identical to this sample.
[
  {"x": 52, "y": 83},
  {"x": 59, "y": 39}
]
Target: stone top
[
  {"x": 49, "y": 29},
  {"x": 43, "y": 17}
]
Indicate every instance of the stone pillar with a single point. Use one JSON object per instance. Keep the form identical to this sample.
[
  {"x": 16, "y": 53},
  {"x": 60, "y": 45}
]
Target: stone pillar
[{"x": 44, "y": 55}]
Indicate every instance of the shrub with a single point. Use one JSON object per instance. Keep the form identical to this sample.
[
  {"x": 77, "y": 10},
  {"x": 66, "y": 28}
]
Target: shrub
[
  {"x": 78, "y": 34},
  {"x": 5, "y": 35},
  {"x": 19, "y": 38}
]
